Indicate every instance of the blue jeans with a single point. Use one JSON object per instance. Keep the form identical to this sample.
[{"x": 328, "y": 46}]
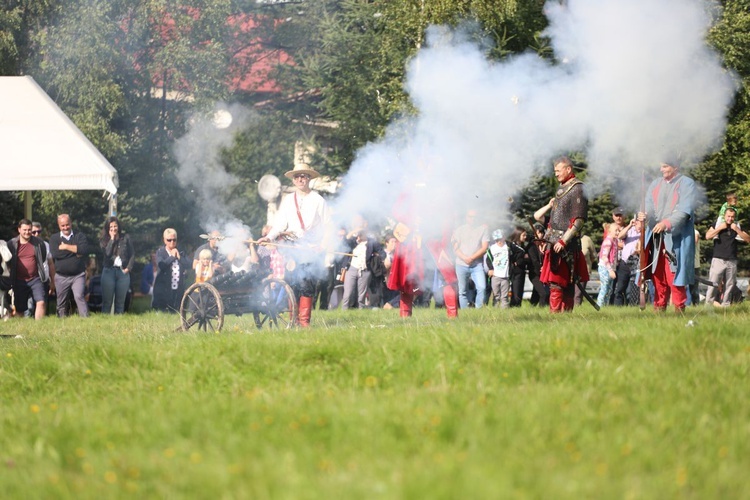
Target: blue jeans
[
  {"x": 476, "y": 272},
  {"x": 605, "y": 289},
  {"x": 115, "y": 285}
]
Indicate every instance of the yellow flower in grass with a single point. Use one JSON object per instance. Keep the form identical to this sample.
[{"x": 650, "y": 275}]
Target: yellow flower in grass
[
  {"x": 80, "y": 452},
  {"x": 34, "y": 408},
  {"x": 602, "y": 469},
  {"x": 681, "y": 476},
  {"x": 371, "y": 381},
  {"x": 53, "y": 406},
  {"x": 168, "y": 453},
  {"x": 110, "y": 477},
  {"x": 88, "y": 372},
  {"x": 326, "y": 466},
  {"x": 723, "y": 452},
  {"x": 9, "y": 355},
  {"x": 196, "y": 457}
]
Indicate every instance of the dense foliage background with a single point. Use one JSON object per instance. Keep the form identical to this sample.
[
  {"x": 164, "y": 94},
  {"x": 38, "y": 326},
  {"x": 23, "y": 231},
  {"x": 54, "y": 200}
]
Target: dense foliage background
[{"x": 131, "y": 73}]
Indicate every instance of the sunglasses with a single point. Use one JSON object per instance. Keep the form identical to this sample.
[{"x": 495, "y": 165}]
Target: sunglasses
[
  {"x": 36, "y": 232},
  {"x": 171, "y": 240}
]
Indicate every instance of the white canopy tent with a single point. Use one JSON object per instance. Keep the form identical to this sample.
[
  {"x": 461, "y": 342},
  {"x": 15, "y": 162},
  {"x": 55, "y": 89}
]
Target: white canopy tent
[{"x": 42, "y": 149}]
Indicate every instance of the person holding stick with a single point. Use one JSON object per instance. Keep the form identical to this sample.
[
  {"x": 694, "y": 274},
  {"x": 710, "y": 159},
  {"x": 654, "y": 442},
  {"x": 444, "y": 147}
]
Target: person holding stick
[
  {"x": 303, "y": 216},
  {"x": 670, "y": 236}
]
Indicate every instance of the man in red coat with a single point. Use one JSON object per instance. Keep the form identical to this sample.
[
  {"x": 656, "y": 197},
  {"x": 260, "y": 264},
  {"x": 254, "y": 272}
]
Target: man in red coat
[{"x": 407, "y": 271}]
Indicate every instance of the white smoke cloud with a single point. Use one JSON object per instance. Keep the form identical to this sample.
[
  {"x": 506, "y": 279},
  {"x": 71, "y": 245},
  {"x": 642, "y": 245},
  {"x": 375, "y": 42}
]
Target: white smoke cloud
[
  {"x": 200, "y": 169},
  {"x": 635, "y": 84}
]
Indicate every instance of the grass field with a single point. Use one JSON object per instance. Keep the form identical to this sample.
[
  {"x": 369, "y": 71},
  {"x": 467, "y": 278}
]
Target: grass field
[{"x": 498, "y": 404}]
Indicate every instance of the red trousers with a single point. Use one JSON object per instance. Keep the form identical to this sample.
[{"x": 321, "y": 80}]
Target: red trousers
[
  {"x": 664, "y": 285},
  {"x": 450, "y": 297},
  {"x": 561, "y": 299}
]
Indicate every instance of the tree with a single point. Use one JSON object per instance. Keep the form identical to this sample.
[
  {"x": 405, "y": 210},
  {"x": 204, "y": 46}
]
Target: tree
[
  {"x": 354, "y": 55},
  {"x": 128, "y": 74},
  {"x": 729, "y": 168}
]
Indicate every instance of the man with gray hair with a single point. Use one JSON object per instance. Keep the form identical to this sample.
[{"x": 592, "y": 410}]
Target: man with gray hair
[{"x": 69, "y": 251}]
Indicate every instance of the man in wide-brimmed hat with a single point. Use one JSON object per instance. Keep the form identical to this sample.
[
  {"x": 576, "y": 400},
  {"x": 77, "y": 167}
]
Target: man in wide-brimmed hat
[{"x": 303, "y": 217}]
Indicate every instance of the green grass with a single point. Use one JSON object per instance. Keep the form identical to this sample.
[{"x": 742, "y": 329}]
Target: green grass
[{"x": 617, "y": 404}]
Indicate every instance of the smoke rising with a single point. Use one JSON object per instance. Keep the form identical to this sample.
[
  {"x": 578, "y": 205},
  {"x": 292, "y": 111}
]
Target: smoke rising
[
  {"x": 201, "y": 171},
  {"x": 634, "y": 84}
]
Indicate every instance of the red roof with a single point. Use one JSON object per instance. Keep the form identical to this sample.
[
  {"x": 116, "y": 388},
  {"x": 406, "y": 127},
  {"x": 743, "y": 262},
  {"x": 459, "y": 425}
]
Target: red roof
[{"x": 252, "y": 58}]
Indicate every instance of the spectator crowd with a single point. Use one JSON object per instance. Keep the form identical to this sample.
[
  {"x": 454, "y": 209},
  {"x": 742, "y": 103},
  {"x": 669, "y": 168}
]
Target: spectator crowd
[{"x": 364, "y": 266}]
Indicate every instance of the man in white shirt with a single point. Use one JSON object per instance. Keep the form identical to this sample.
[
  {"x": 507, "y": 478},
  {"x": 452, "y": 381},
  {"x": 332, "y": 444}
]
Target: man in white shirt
[{"x": 303, "y": 217}]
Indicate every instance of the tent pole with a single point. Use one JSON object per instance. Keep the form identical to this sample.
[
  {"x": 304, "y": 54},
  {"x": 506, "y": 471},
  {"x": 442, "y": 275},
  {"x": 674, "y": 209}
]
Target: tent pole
[
  {"x": 27, "y": 205},
  {"x": 113, "y": 205}
]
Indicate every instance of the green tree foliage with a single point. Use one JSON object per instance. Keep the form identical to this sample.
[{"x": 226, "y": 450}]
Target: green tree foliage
[
  {"x": 354, "y": 54},
  {"x": 729, "y": 169},
  {"x": 128, "y": 73}
]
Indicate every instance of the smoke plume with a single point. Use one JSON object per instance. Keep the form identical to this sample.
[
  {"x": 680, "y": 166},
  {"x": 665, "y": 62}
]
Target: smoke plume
[{"x": 633, "y": 84}]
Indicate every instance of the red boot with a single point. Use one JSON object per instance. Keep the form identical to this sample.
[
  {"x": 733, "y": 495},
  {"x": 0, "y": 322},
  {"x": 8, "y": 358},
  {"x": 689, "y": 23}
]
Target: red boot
[
  {"x": 305, "y": 310},
  {"x": 556, "y": 301},
  {"x": 450, "y": 297},
  {"x": 407, "y": 299}
]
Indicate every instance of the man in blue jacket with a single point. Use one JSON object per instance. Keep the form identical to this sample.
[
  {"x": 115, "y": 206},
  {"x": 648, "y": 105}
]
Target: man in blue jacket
[{"x": 670, "y": 236}]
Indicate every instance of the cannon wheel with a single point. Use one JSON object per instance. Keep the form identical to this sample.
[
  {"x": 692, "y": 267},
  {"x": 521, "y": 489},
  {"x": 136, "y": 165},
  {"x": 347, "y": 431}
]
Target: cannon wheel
[
  {"x": 277, "y": 307},
  {"x": 202, "y": 306}
]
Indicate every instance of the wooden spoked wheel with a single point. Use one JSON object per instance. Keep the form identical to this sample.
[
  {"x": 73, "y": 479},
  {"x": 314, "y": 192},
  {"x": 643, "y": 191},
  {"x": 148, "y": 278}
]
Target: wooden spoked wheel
[
  {"x": 202, "y": 307},
  {"x": 276, "y": 305}
]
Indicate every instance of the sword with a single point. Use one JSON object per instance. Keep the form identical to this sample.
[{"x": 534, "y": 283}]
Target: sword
[
  {"x": 577, "y": 282},
  {"x": 582, "y": 288}
]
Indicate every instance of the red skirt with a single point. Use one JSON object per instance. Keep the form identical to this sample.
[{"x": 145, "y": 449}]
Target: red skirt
[
  {"x": 407, "y": 269},
  {"x": 555, "y": 269}
]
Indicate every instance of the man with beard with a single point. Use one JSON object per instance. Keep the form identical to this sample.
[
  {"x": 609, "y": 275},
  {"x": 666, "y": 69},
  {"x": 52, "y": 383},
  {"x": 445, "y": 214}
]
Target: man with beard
[
  {"x": 28, "y": 274},
  {"x": 564, "y": 263},
  {"x": 670, "y": 236}
]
